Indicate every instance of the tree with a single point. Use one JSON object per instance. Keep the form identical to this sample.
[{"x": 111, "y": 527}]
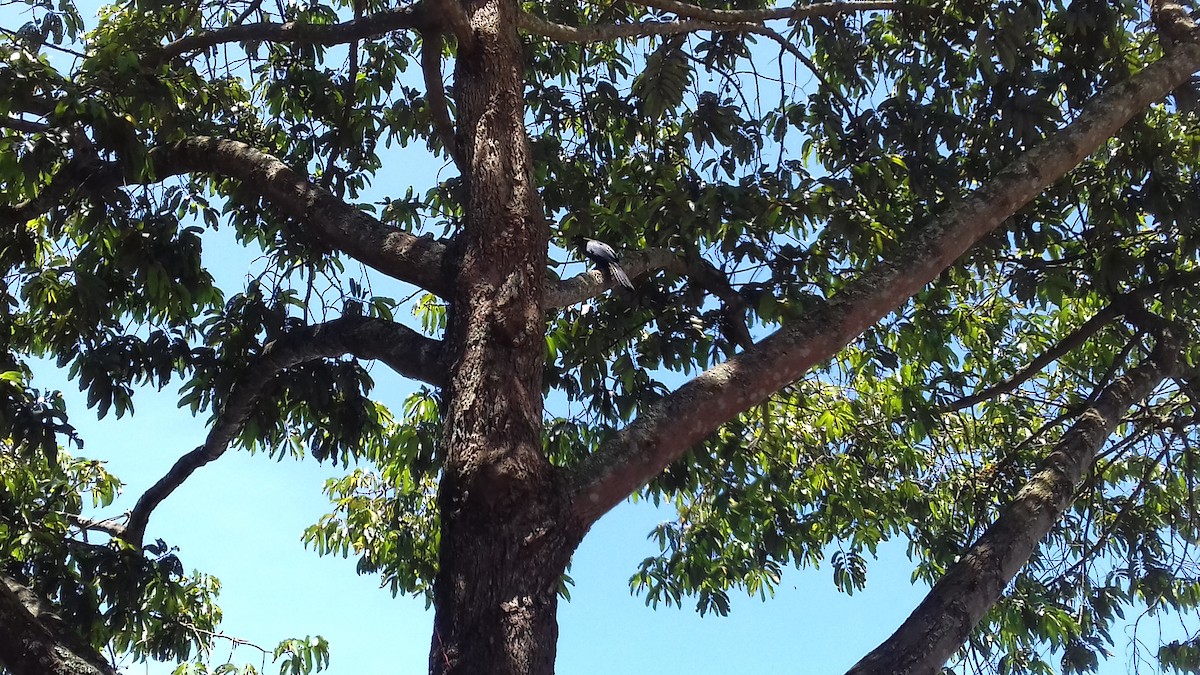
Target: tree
[{"x": 928, "y": 266}]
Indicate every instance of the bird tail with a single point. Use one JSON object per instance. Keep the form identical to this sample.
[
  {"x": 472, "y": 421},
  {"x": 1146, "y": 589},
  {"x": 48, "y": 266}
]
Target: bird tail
[{"x": 619, "y": 275}]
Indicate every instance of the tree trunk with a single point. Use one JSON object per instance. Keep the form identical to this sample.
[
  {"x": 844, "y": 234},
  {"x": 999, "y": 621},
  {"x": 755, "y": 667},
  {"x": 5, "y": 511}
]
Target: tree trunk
[
  {"x": 504, "y": 540},
  {"x": 496, "y": 596}
]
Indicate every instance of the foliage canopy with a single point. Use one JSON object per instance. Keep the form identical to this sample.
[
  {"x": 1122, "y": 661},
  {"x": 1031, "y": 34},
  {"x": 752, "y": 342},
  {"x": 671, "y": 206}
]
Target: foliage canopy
[{"x": 764, "y": 169}]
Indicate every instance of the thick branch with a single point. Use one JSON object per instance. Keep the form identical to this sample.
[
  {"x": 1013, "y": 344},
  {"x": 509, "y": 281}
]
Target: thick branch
[
  {"x": 454, "y": 17},
  {"x": 334, "y": 223},
  {"x": 411, "y": 17},
  {"x": 403, "y": 349},
  {"x": 590, "y": 284},
  {"x": 108, "y": 526},
  {"x": 34, "y": 641},
  {"x": 1173, "y": 23},
  {"x": 665, "y": 430},
  {"x": 944, "y": 619},
  {"x": 19, "y": 124},
  {"x": 330, "y": 220},
  {"x": 435, "y": 95},
  {"x": 614, "y": 31}
]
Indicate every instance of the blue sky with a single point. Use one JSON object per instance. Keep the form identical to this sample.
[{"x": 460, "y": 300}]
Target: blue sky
[{"x": 241, "y": 517}]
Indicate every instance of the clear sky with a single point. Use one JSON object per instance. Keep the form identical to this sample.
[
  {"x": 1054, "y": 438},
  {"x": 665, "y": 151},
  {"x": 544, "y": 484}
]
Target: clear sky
[{"x": 241, "y": 518}]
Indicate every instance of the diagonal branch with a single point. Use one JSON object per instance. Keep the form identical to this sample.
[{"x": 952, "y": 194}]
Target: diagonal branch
[
  {"x": 1072, "y": 341},
  {"x": 250, "y": 9},
  {"x": 700, "y": 272},
  {"x": 785, "y": 45},
  {"x": 665, "y": 430},
  {"x": 733, "y": 307},
  {"x": 75, "y": 176},
  {"x": 333, "y": 222},
  {"x": 416, "y": 16},
  {"x": 944, "y": 619},
  {"x": 1120, "y": 306},
  {"x": 35, "y": 641},
  {"x": 403, "y": 349}
]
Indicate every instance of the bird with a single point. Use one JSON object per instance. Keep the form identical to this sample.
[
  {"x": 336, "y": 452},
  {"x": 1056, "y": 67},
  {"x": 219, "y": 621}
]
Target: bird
[{"x": 605, "y": 258}]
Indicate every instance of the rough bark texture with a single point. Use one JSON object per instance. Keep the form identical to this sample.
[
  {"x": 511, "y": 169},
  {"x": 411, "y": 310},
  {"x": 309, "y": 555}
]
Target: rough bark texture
[
  {"x": 326, "y": 218},
  {"x": 504, "y": 543},
  {"x": 33, "y": 642},
  {"x": 944, "y": 619}
]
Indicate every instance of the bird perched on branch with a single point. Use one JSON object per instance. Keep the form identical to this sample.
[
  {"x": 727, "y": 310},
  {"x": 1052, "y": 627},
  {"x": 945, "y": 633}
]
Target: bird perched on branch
[{"x": 605, "y": 258}]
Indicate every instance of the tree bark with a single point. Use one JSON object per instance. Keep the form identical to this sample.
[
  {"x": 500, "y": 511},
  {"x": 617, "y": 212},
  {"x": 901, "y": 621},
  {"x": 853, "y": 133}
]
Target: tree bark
[
  {"x": 944, "y": 619},
  {"x": 505, "y": 533},
  {"x": 34, "y": 642}
]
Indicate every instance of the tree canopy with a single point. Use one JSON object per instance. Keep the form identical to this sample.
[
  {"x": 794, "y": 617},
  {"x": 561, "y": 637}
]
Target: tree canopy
[{"x": 902, "y": 270}]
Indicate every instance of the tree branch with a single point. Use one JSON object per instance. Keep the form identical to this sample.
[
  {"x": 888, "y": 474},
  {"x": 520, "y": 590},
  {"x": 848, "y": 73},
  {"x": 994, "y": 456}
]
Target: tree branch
[
  {"x": 795, "y": 13},
  {"x": 333, "y": 222},
  {"x": 18, "y": 124},
  {"x": 1172, "y": 22},
  {"x": 107, "y": 526},
  {"x": 1174, "y": 25},
  {"x": 944, "y": 619},
  {"x": 250, "y": 9},
  {"x": 348, "y": 101},
  {"x": 613, "y": 31},
  {"x": 403, "y": 349},
  {"x": 694, "y": 19},
  {"x": 76, "y": 174},
  {"x": 416, "y": 16},
  {"x": 700, "y": 272},
  {"x": 455, "y": 18},
  {"x": 666, "y": 429},
  {"x": 1131, "y": 502},
  {"x": 1077, "y": 337},
  {"x": 589, "y": 284},
  {"x": 35, "y": 641},
  {"x": 338, "y": 225},
  {"x": 435, "y": 94},
  {"x": 842, "y": 101},
  {"x": 1120, "y": 306}
]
